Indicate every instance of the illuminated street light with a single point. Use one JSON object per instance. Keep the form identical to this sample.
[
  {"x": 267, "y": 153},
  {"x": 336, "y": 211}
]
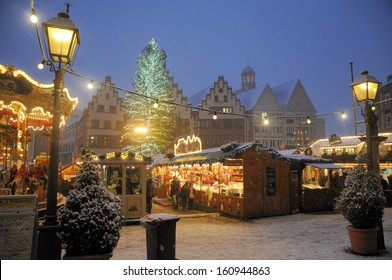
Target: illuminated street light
[{"x": 62, "y": 40}]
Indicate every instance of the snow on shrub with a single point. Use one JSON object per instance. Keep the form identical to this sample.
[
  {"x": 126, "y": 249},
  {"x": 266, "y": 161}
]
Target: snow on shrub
[
  {"x": 362, "y": 199},
  {"x": 91, "y": 220}
]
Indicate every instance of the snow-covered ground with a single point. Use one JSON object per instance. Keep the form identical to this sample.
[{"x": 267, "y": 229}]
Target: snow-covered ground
[{"x": 318, "y": 236}]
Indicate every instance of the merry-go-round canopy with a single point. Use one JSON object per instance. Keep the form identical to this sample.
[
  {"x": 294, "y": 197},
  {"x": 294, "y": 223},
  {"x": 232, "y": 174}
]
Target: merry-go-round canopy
[{"x": 28, "y": 102}]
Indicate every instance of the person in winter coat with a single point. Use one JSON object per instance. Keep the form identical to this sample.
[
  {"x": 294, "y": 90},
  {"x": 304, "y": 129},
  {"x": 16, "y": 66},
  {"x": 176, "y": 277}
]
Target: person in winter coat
[
  {"x": 13, "y": 174},
  {"x": 149, "y": 195},
  {"x": 39, "y": 174},
  {"x": 23, "y": 173},
  {"x": 184, "y": 194},
  {"x": 175, "y": 191},
  {"x": 192, "y": 196}
]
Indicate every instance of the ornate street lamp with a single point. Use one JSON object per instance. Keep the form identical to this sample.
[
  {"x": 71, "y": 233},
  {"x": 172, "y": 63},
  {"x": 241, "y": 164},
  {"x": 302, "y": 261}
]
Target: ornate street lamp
[
  {"x": 62, "y": 39},
  {"x": 365, "y": 88}
]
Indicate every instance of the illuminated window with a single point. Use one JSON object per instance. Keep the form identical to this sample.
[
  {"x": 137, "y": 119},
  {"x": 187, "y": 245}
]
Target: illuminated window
[{"x": 93, "y": 141}]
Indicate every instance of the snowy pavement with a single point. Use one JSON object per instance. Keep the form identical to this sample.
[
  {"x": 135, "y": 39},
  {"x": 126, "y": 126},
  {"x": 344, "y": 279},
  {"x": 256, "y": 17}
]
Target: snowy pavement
[{"x": 317, "y": 236}]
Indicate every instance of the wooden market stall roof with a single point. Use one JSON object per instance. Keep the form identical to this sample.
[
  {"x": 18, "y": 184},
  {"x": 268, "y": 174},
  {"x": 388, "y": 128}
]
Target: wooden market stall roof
[
  {"x": 20, "y": 95},
  {"x": 231, "y": 150},
  {"x": 71, "y": 169}
]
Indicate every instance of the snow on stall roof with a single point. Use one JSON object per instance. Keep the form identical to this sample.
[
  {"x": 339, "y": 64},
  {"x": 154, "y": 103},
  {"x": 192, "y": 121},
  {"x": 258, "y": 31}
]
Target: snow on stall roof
[
  {"x": 344, "y": 141},
  {"x": 216, "y": 154},
  {"x": 249, "y": 98},
  {"x": 290, "y": 154},
  {"x": 307, "y": 159},
  {"x": 283, "y": 92}
]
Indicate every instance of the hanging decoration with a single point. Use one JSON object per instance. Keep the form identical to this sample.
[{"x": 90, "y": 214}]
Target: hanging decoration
[{"x": 188, "y": 145}]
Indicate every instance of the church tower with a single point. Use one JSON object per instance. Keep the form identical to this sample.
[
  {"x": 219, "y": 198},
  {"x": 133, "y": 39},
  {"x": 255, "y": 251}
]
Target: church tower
[{"x": 248, "y": 78}]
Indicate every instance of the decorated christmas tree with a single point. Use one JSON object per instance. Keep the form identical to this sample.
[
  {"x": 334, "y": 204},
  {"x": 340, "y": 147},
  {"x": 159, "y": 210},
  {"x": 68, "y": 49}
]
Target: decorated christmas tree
[{"x": 148, "y": 108}]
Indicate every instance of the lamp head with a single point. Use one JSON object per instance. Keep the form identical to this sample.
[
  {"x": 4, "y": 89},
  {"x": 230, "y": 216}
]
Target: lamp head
[
  {"x": 62, "y": 38},
  {"x": 365, "y": 87}
]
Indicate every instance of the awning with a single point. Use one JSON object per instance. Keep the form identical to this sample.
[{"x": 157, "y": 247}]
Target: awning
[{"x": 328, "y": 165}]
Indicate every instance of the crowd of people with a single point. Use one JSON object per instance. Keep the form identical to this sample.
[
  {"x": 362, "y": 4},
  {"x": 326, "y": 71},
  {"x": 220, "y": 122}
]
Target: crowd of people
[
  {"x": 184, "y": 194},
  {"x": 24, "y": 177}
]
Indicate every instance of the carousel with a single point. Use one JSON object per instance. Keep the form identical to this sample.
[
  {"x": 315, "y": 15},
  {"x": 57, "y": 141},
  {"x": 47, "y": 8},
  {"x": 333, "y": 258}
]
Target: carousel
[{"x": 25, "y": 105}]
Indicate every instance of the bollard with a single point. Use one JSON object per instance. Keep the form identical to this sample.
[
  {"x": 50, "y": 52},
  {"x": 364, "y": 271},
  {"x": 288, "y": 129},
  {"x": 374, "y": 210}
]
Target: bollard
[{"x": 160, "y": 236}]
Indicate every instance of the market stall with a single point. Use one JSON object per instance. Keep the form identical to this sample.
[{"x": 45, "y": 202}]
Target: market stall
[
  {"x": 244, "y": 180},
  {"x": 321, "y": 184},
  {"x": 124, "y": 174}
]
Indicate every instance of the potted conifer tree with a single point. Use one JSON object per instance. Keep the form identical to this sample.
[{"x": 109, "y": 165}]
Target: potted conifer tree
[
  {"x": 362, "y": 203},
  {"x": 92, "y": 217}
]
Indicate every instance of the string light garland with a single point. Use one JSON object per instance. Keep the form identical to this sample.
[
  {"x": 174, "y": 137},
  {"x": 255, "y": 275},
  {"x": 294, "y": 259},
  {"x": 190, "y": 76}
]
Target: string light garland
[
  {"x": 214, "y": 112},
  {"x": 266, "y": 121}
]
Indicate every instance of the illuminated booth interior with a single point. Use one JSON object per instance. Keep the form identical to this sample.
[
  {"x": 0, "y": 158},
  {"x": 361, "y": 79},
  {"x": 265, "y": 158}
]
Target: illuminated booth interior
[
  {"x": 124, "y": 174},
  {"x": 247, "y": 180}
]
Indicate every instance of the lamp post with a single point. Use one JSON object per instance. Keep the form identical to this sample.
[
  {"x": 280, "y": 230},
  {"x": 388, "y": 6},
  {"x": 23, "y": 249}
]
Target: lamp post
[
  {"x": 62, "y": 39},
  {"x": 365, "y": 89}
]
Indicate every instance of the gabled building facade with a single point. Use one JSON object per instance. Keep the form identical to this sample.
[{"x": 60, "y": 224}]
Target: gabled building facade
[
  {"x": 99, "y": 128},
  {"x": 280, "y": 117},
  {"x": 221, "y": 117},
  {"x": 184, "y": 122}
]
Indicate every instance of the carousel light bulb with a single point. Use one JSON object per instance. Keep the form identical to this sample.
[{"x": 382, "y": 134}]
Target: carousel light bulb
[
  {"x": 156, "y": 105},
  {"x": 215, "y": 116}
]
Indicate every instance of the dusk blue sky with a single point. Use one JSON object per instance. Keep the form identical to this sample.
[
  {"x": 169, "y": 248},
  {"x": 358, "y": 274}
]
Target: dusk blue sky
[{"x": 313, "y": 41}]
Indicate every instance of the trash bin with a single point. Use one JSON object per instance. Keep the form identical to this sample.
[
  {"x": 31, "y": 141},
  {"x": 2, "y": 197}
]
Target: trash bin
[{"x": 160, "y": 236}]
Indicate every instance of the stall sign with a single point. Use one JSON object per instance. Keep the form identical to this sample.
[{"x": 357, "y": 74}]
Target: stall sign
[
  {"x": 189, "y": 145},
  {"x": 232, "y": 162},
  {"x": 271, "y": 181}
]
